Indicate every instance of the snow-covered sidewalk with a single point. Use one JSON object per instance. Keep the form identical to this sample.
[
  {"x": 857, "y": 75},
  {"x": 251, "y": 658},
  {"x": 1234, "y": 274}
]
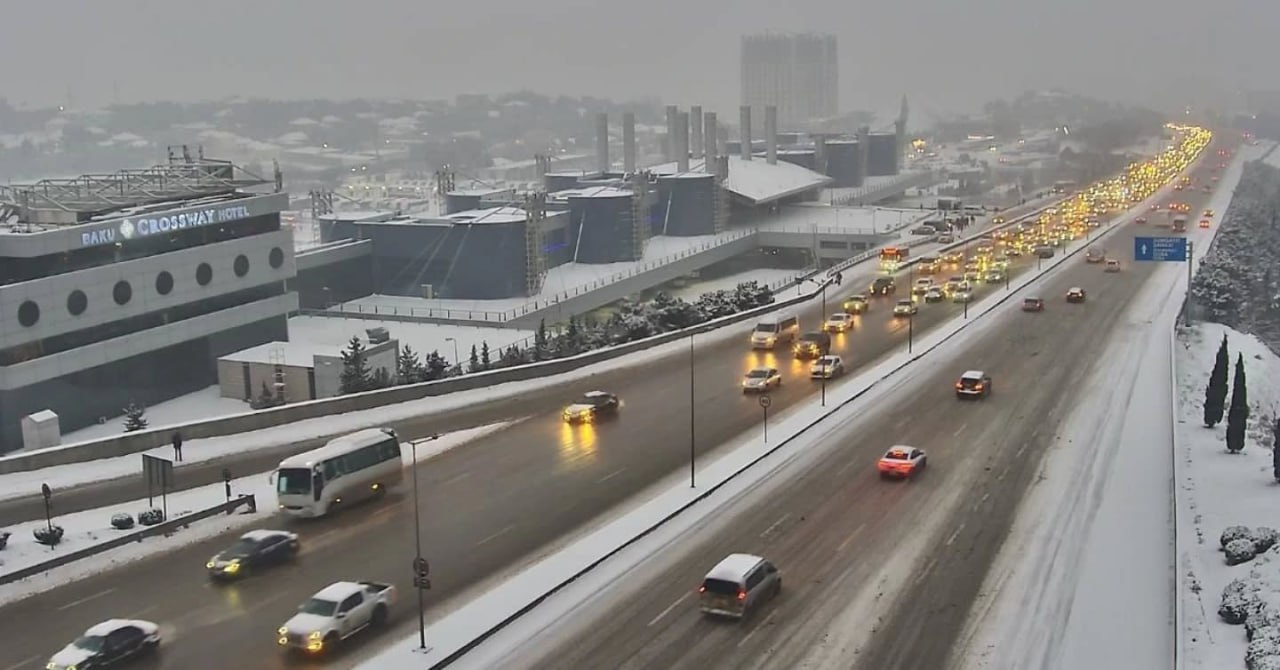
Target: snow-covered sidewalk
[{"x": 84, "y": 529}]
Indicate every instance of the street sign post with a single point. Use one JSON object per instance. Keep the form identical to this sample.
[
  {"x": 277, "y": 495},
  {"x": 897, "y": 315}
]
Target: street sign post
[
  {"x": 765, "y": 401},
  {"x": 1161, "y": 249},
  {"x": 1168, "y": 250},
  {"x": 158, "y": 472}
]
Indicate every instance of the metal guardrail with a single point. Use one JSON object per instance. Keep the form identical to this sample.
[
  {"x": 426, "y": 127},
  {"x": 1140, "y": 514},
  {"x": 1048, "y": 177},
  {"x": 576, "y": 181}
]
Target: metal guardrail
[{"x": 162, "y": 528}]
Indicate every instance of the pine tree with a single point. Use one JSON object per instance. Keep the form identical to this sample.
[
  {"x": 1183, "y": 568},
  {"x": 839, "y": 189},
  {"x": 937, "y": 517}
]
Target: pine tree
[
  {"x": 134, "y": 418},
  {"x": 355, "y": 376},
  {"x": 1238, "y": 412},
  {"x": 485, "y": 362},
  {"x": 409, "y": 367},
  {"x": 473, "y": 362},
  {"x": 380, "y": 379},
  {"x": 436, "y": 366},
  {"x": 1215, "y": 394},
  {"x": 511, "y": 356},
  {"x": 1275, "y": 448},
  {"x": 540, "y": 341}
]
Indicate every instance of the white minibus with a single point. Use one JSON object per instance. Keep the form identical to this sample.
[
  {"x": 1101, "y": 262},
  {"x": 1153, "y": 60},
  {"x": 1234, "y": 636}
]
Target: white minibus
[{"x": 347, "y": 469}]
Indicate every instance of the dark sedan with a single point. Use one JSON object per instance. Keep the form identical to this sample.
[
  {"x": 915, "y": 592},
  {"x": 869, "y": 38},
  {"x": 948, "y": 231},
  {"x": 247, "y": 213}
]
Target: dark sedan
[{"x": 255, "y": 549}]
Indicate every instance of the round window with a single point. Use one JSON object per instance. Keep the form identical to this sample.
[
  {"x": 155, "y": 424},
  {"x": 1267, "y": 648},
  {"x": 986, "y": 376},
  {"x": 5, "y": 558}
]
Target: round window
[
  {"x": 164, "y": 282},
  {"x": 28, "y": 313},
  {"x": 241, "y": 265},
  {"x": 276, "y": 257},
  {"x": 122, "y": 292},
  {"x": 77, "y": 302},
  {"x": 204, "y": 274}
]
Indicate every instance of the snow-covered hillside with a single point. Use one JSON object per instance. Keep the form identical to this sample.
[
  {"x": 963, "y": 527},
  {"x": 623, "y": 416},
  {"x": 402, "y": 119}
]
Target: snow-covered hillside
[{"x": 1219, "y": 490}]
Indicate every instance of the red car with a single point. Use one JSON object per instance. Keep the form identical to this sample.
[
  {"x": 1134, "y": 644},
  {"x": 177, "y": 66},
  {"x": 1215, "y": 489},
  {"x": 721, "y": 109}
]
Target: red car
[{"x": 1033, "y": 305}]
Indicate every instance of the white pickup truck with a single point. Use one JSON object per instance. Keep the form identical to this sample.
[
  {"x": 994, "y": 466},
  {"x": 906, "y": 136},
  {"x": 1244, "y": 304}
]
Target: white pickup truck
[{"x": 336, "y": 613}]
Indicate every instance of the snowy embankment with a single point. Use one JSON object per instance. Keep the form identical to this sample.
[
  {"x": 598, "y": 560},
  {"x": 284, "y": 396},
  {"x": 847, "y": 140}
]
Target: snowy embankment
[
  {"x": 1221, "y": 490},
  {"x": 1056, "y": 596},
  {"x": 655, "y": 520},
  {"x": 84, "y": 529}
]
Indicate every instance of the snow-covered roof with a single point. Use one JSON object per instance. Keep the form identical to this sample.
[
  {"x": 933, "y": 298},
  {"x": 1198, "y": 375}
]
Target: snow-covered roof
[
  {"x": 972, "y": 374},
  {"x": 335, "y": 447},
  {"x": 42, "y": 415},
  {"x": 734, "y": 567},
  {"x": 596, "y": 192},
  {"x": 339, "y": 591},
  {"x": 112, "y": 625},
  {"x": 293, "y": 354},
  {"x": 490, "y": 215},
  {"x": 260, "y": 534},
  {"x": 757, "y": 180}
]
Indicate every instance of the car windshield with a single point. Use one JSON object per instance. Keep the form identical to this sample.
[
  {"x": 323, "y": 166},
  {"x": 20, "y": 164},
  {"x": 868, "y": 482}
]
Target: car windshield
[
  {"x": 242, "y": 547},
  {"x": 757, "y": 374},
  {"x": 839, "y": 317},
  {"x": 766, "y": 328},
  {"x": 896, "y": 455},
  {"x": 720, "y": 586},
  {"x": 827, "y": 360},
  {"x": 319, "y": 607},
  {"x": 293, "y": 481},
  {"x": 89, "y": 643},
  {"x": 858, "y": 298}
]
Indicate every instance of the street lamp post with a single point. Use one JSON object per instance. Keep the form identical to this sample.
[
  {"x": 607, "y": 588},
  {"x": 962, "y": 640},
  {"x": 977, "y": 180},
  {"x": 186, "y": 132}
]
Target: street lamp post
[
  {"x": 911, "y": 316},
  {"x": 456, "y": 361},
  {"x": 419, "y": 563},
  {"x": 693, "y": 435}
]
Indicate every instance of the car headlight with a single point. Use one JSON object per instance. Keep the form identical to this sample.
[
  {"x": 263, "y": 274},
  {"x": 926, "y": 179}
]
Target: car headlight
[
  {"x": 209, "y": 565},
  {"x": 315, "y": 635},
  {"x": 282, "y": 631},
  {"x": 233, "y": 567}
]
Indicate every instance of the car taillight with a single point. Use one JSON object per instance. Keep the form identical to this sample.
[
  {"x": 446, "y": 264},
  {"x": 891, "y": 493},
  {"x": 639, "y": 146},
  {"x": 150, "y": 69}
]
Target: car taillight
[
  {"x": 702, "y": 589},
  {"x": 742, "y": 594},
  {"x": 959, "y": 385},
  {"x": 977, "y": 387}
]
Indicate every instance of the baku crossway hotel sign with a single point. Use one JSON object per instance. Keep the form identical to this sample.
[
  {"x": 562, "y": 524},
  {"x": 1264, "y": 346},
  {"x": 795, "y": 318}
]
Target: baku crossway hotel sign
[{"x": 145, "y": 226}]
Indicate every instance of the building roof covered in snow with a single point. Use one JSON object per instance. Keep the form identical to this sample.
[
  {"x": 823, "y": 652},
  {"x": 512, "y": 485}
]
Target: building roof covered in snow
[{"x": 758, "y": 181}]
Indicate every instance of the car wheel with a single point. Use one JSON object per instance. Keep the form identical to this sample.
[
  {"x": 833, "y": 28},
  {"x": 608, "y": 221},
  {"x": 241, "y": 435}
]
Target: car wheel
[
  {"x": 330, "y": 642},
  {"x": 379, "y": 617}
]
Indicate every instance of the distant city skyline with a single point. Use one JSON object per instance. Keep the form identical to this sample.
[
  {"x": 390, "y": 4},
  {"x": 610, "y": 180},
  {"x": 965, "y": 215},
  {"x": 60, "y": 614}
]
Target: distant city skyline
[
  {"x": 945, "y": 56},
  {"x": 799, "y": 73}
]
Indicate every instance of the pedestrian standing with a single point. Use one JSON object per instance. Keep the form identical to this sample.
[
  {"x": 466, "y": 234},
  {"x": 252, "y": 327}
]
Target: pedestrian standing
[{"x": 177, "y": 446}]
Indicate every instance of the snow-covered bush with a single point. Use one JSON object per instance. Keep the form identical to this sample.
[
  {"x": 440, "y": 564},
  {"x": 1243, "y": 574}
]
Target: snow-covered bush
[
  {"x": 1263, "y": 538},
  {"x": 1261, "y": 647},
  {"x": 150, "y": 517},
  {"x": 1269, "y": 662},
  {"x": 122, "y": 521},
  {"x": 48, "y": 535},
  {"x": 1234, "y": 608},
  {"x": 1240, "y": 551},
  {"x": 1233, "y": 533}
]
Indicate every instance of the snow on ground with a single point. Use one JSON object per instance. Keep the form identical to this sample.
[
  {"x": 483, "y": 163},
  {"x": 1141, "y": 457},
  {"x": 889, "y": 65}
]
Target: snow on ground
[
  {"x": 84, "y": 529},
  {"x": 821, "y": 218},
  {"x": 205, "y": 403},
  {"x": 1221, "y": 489},
  {"x": 451, "y": 630},
  {"x": 423, "y": 337},
  {"x": 774, "y": 278},
  {"x": 1057, "y": 596}
]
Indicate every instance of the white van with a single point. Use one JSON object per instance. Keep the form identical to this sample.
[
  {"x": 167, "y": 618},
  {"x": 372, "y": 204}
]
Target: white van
[{"x": 773, "y": 331}]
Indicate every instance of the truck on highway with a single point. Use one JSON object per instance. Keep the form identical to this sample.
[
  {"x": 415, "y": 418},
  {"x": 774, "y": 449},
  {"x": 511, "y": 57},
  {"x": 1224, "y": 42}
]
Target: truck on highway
[
  {"x": 1179, "y": 224},
  {"x": 337, "y": 612}
]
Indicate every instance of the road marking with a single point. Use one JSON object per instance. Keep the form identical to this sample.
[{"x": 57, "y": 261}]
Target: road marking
[
  {"x": 957, "y": 532},
  {"x": 1003, "y": 472},
  {"x": 762, "y": 624},
  {"x": 849, "y": 539},
  {"x": 667, "y": 611},
  {"x": 984, "y": 497},
  {"x": 845, "y": 468},
  {"x": 611, "y": 475},
  {"x": 455, "y": 478},
  {"x": 1021, "y": 449},
  {"x": 139, "y": 613},
  {"x": 85, "y": 599},
  {"x": 496, "y": 535},
  {"x": 266, "y": 601},
  {"x": 960, "y": 430},
  {"x": 925, "y": 573},
  {"x": 777, "y": 523},
  {"x": 23, "y": 662}
]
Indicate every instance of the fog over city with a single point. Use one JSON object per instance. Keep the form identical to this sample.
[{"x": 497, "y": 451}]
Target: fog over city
[{"x": 945, "y": 54}]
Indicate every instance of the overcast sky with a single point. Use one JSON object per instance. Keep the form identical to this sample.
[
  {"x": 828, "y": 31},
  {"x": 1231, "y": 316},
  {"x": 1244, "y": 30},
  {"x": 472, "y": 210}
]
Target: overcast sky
[{"x": 944, "y": 54}]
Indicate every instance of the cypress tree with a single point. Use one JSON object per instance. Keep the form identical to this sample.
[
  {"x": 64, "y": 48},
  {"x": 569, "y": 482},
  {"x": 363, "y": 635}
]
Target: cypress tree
[
  {"x": 356, "y": 375},
  {"x": 1275, "y": 448},
  {"x": 473, "y": 363},
  {"x": 540, "y": 341},
  {"x": 1215, "y": 394},
  {"x": 1238, "y": 412},
  {"x": 485, "y": 361}
]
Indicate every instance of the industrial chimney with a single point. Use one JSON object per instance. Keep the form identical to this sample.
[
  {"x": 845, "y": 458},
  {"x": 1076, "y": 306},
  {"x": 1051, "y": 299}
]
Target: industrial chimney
[
  {"x": 602, "y": 142},
  {"x": 771, "y": 134},
  {"x": 744, "y": 120},
  {"x": 671, "y": 133},
  {"x": 709, "y": 151},
  {"x": 682, "y": 142},
  {"x": 629, "y": 142},
  {"x": 695, "y": 115}
]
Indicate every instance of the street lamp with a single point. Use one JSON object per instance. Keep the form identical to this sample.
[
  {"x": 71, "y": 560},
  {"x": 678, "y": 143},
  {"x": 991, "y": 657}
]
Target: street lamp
[
  {"x": 911, "y": 315},
  {"x": 456, "y": 361},
  {"x": 693, "y": 439},
  {"x": 419, "y": 563}
]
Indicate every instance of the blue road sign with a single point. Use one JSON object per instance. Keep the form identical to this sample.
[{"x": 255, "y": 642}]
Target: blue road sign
[{"x": 1170, "y": 249}]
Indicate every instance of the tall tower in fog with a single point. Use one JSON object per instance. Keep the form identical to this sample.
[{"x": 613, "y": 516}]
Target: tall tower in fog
[{"x": 797, "y": 73}]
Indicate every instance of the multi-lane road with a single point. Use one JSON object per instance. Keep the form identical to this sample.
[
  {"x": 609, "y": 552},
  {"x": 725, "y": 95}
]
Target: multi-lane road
[
  {"x": 842, "y": 536},
  {"x": 486, "y": 506}
]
